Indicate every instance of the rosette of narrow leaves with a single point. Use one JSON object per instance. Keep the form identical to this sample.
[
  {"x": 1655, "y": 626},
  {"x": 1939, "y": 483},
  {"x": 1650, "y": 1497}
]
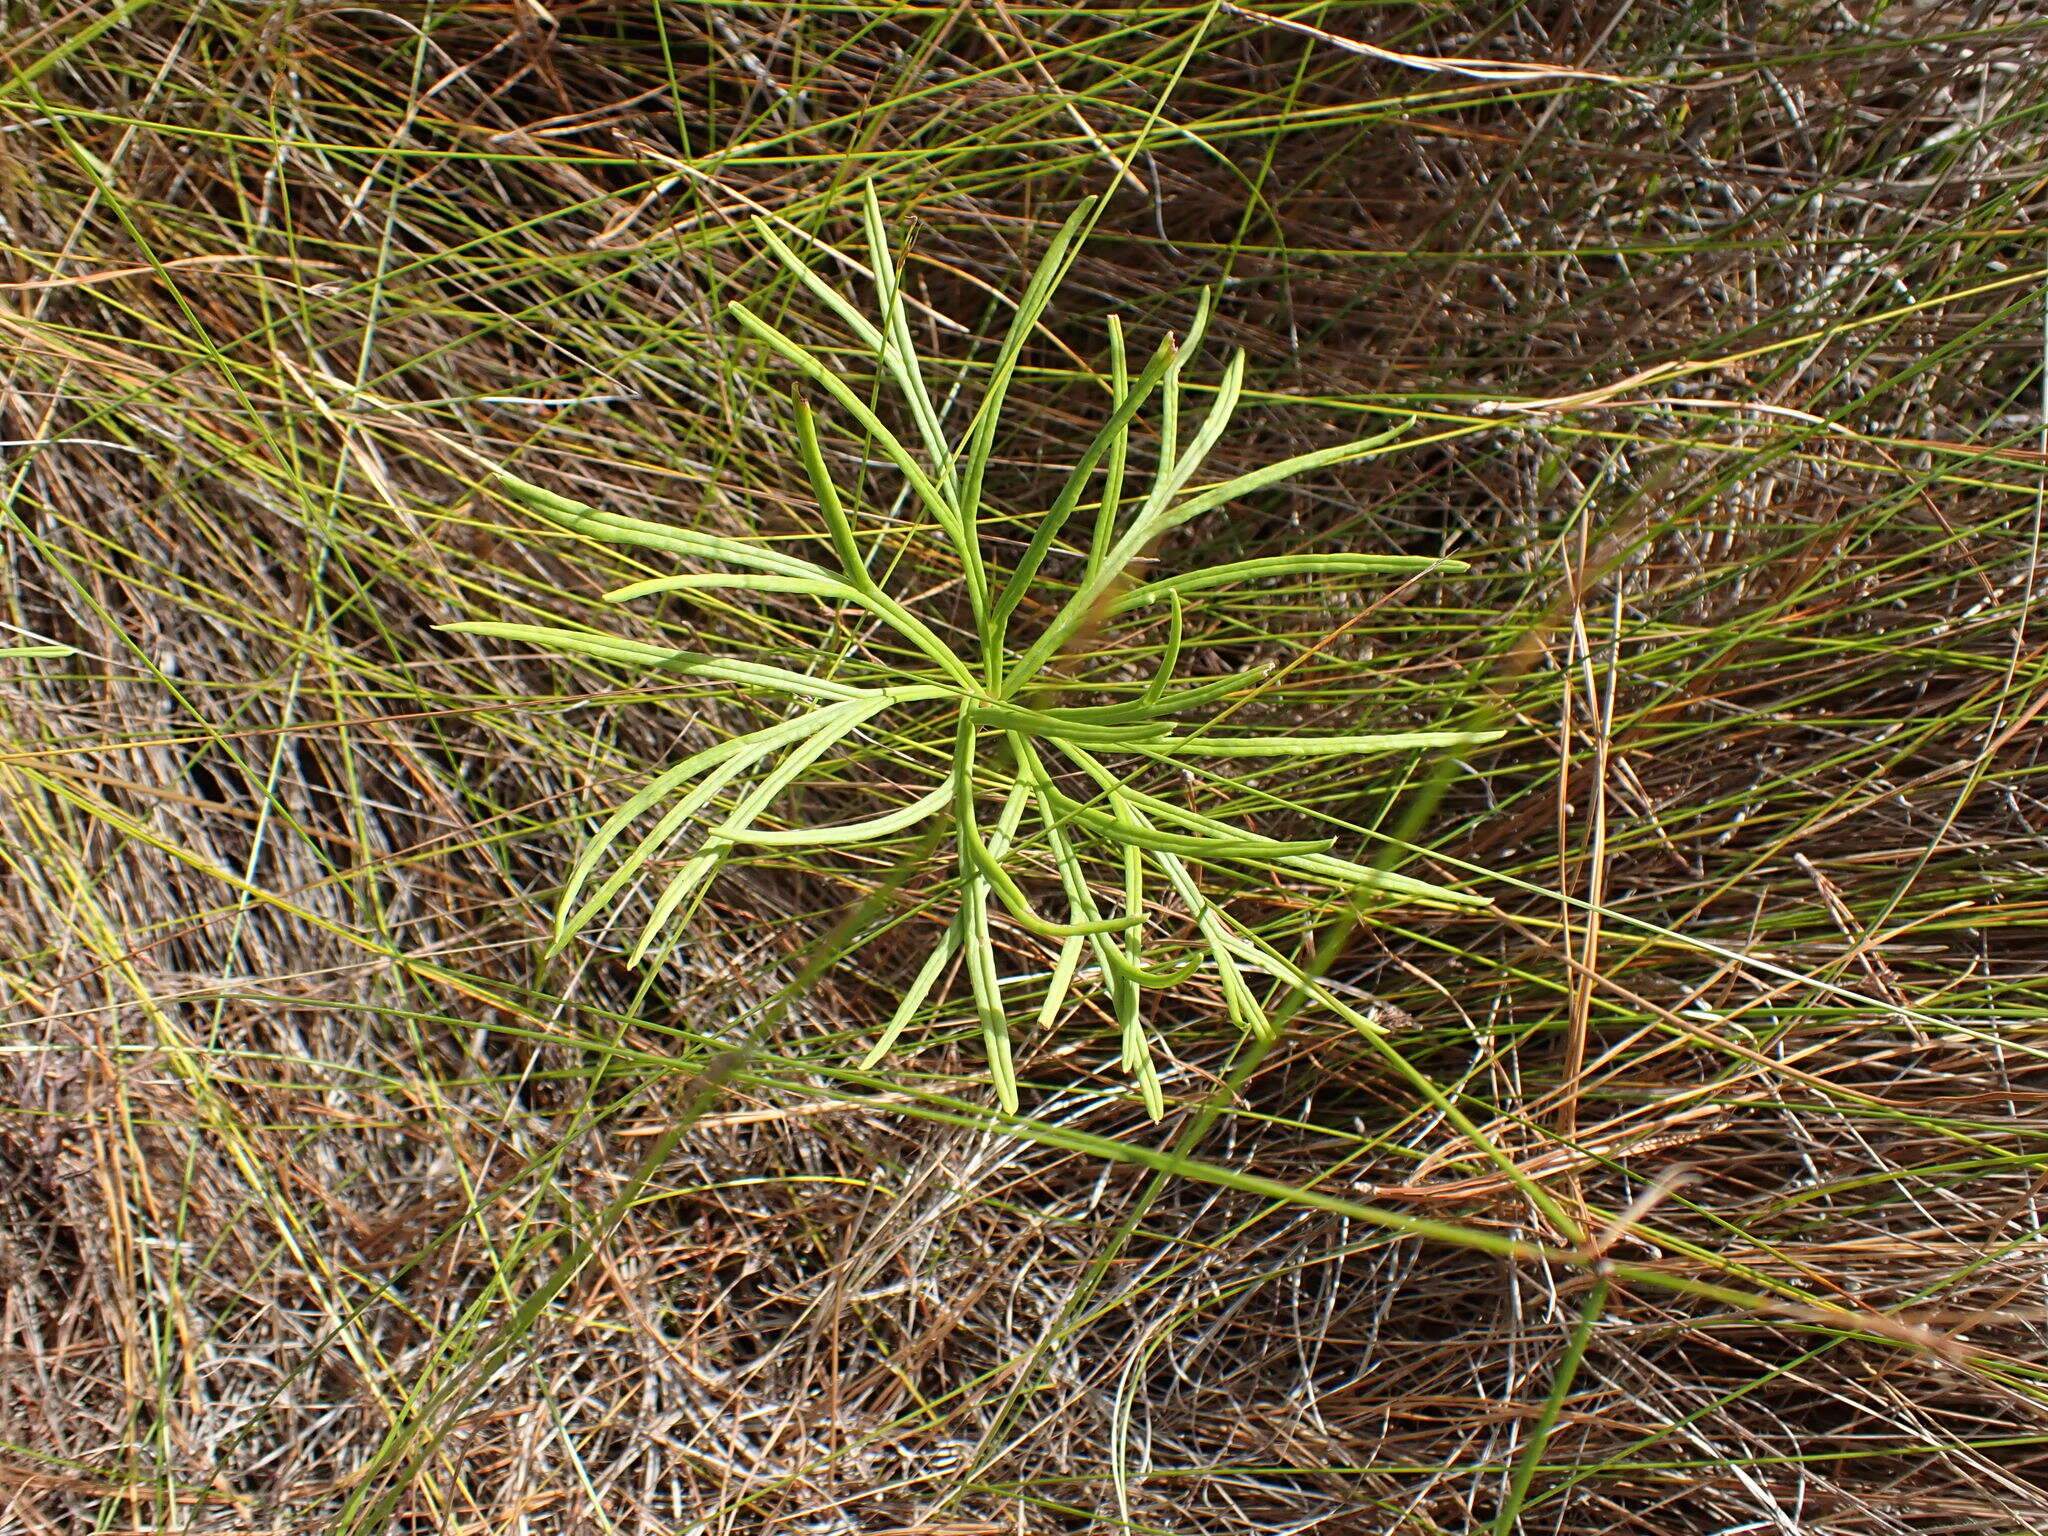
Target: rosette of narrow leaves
[{"x": 1042, "y": 804}]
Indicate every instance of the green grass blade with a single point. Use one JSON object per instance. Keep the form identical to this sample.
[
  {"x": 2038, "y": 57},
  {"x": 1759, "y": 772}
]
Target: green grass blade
[
  {"x": 1239, "y": 571},
  {"x": 905, "y": 623},
  {"x": 613, "y": 528},
  {"x": 571, "y": 920},
  {"x": 978, "y": 944},
  {"x": 1095, "y": 594},
  {"x": 917, "y": 992},
  {"x": 1313, "y": 746},
  {"x": 637, "y": 653},
  {"x": 815, "y": 586},
  {"x": 1050, "y": 272},
  {"x": 1059, "y": 725},
  {"x": 899, "y": 355},
  {"x": 852, "y": 562},
  {"x": 1109, "y": 443},
  {"x": 1102, "y": 536},
  {"x": 938, "y": 501},
  {"x": 847, "y": 833},
  {"x": 746, "y": 749}
]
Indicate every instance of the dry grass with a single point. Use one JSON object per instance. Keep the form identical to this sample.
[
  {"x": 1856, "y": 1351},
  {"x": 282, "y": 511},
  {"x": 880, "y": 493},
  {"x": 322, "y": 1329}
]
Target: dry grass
[{"x": 330, "y": 1207}]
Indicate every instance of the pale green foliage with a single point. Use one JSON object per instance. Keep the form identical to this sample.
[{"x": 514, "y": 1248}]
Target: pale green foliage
[{"x": 1103, "y": 842}]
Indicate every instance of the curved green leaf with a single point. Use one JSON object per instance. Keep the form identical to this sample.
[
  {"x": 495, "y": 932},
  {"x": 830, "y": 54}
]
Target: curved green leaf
[
  {"x": 1312, "y": 746},
  {"x": 1279, "y": 565}
]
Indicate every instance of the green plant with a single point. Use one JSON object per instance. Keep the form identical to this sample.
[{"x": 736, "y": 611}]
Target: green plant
[{"x": 1065, "y": 781}]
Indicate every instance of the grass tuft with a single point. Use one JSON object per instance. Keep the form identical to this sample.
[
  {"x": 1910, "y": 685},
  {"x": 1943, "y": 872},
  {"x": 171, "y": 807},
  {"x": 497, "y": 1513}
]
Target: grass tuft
[{"x": 1691, "y": 1185}]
